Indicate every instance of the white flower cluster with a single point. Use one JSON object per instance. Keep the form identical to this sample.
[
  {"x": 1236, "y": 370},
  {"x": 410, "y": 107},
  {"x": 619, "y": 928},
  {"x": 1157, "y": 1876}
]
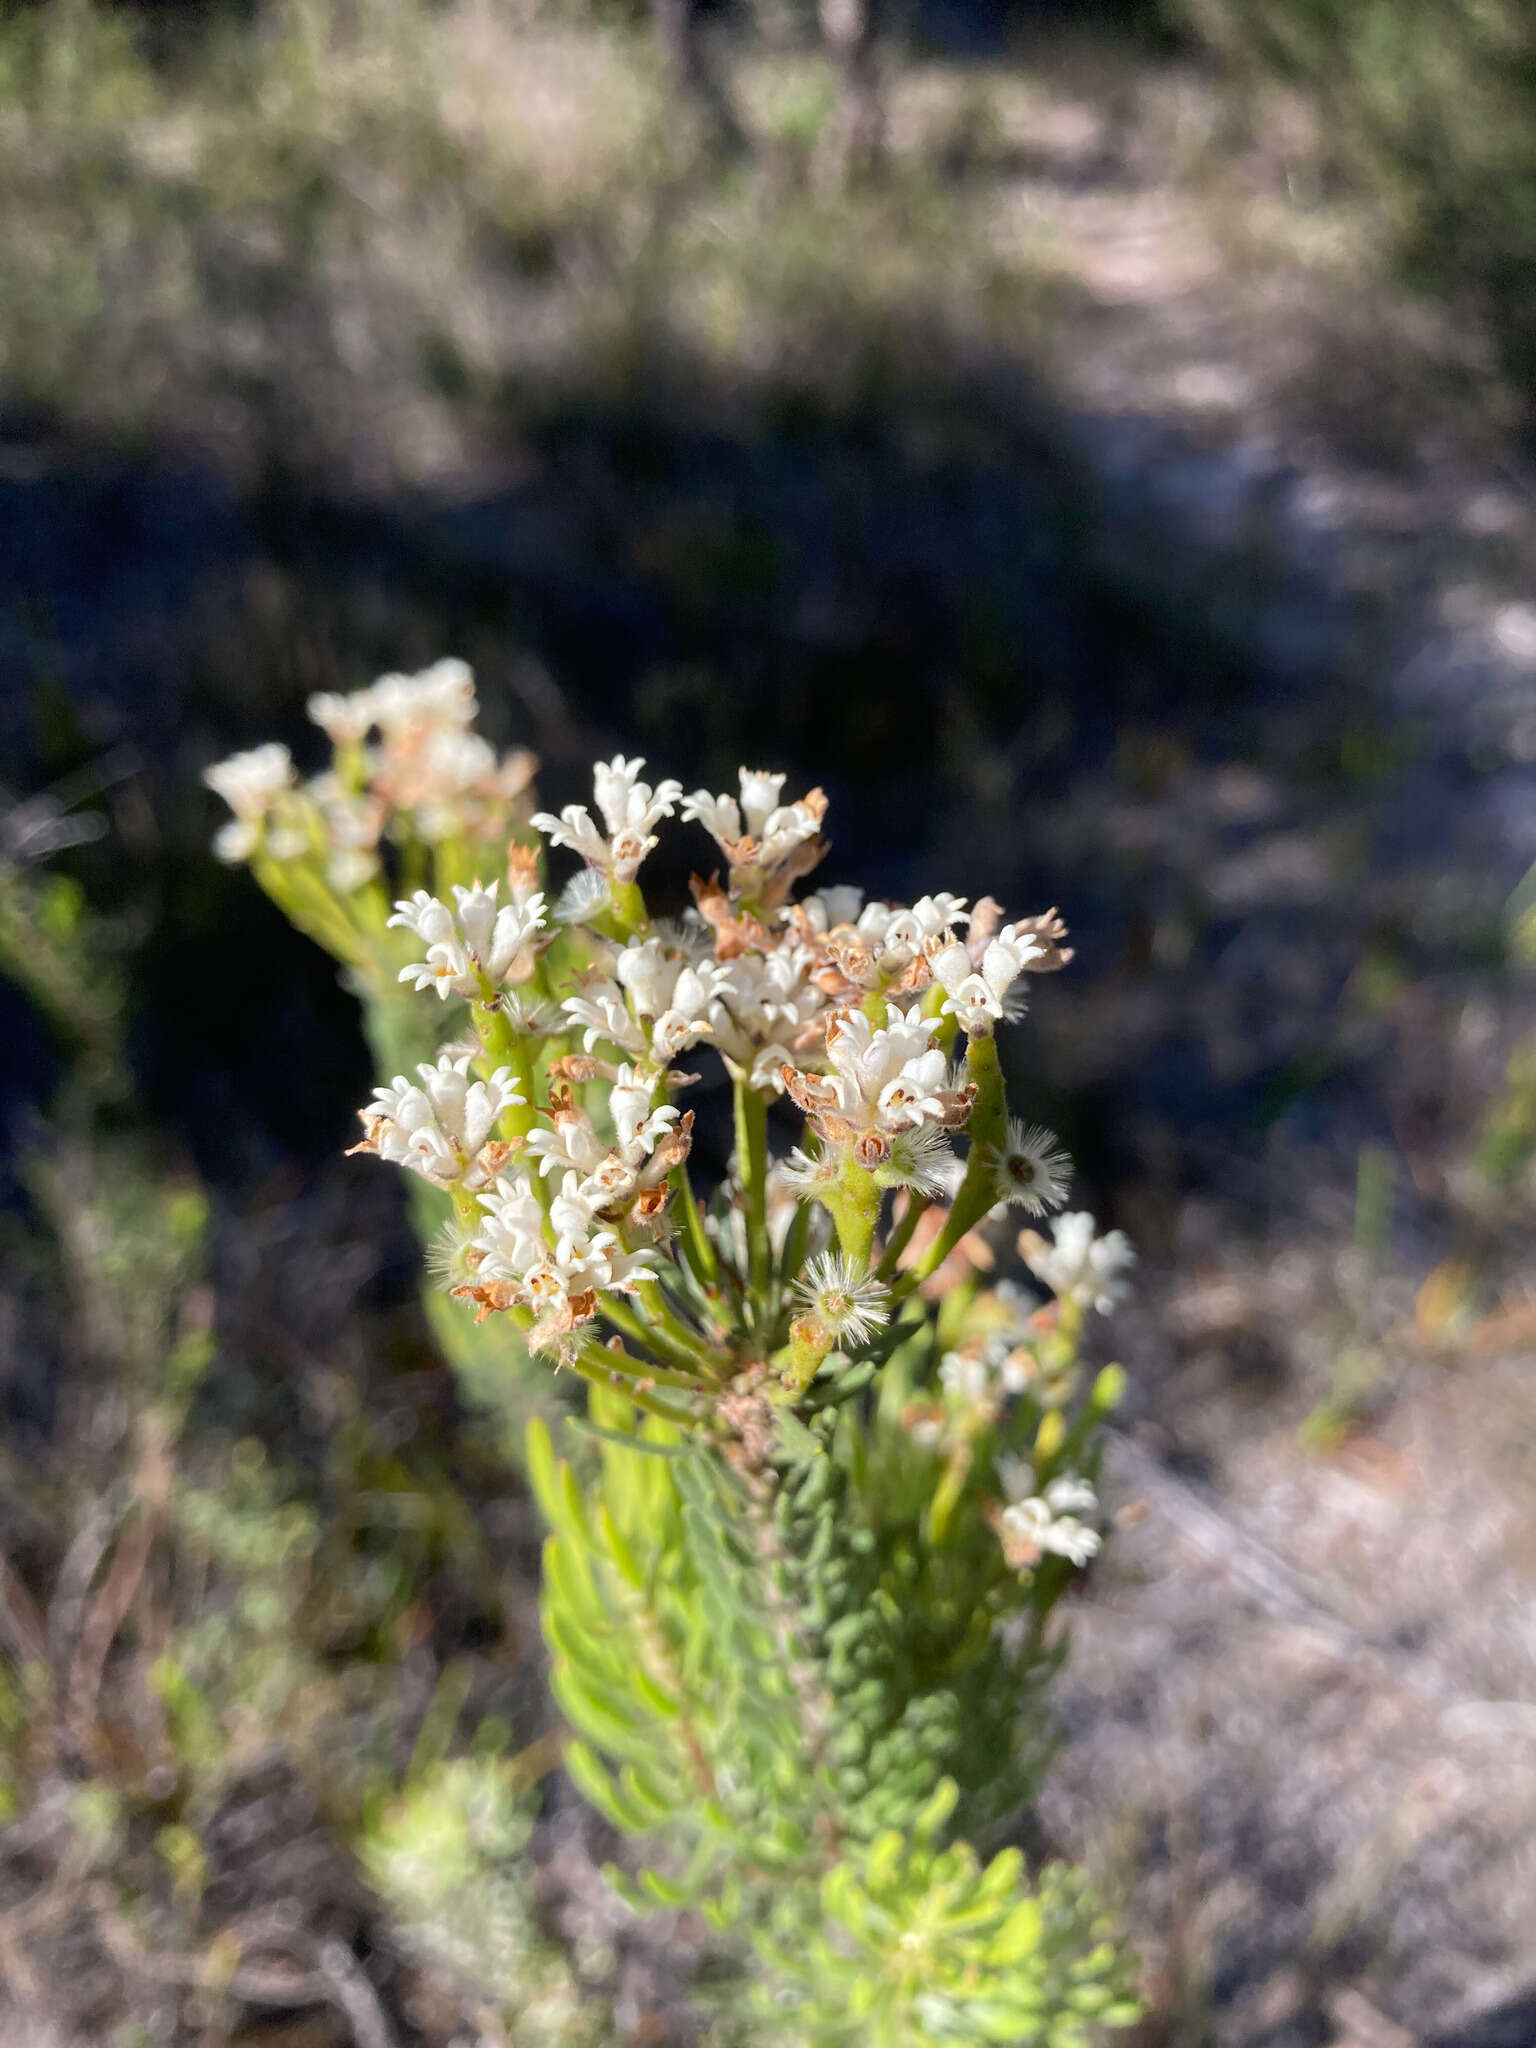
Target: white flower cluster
[
  {"x": 477, "y": 946},
  {"x": 980, "y": 990},
  {"x": 254, "y": 785},
  {"x": 595, "y": 1227},
  {"x": 1080, "y": 1266},
  {"x": 441, "y": 1126},
  {"x": 886, "y": 1084},
  {"x": 1033, "y": 1525},
  {"x": 555, "y": 1261},
  {"x": 629, "y": 808},
  {"x": 851, "y": 1009},
  {"x": 766, "y": 842},
  {"x": 654, "y": 1004},
  {"x": 407, "y": 765}
]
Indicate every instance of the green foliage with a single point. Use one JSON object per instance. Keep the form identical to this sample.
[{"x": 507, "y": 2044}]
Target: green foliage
[
  {"x": 62, "y": 957},
  {"x": 787, "y": 1680}
]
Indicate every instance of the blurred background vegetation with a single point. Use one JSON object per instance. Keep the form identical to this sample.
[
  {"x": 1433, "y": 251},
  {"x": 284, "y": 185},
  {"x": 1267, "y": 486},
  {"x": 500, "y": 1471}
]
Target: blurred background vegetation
[{"x": 1092, "y": 441}]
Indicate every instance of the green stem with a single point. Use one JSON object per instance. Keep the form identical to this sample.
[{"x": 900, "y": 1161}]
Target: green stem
[
  {"x": 752, "y": 1172},
  {"x": 629, "y": 911},
  {"x": 306, "y": 901},
  {"x": 946, "y": 1495},
  {"x": 501, "y": 1046},
  {"x": 697, "y": 1248},
  {"x": 593, "y": 1364},
  {"x": 687, "y": 1369},
  {"x": 808, "y": 1346},
  {"x": 988, "y": 1129},
  {"x": 901, "y": 1236},
  {"x": 854, "y": 1201}
]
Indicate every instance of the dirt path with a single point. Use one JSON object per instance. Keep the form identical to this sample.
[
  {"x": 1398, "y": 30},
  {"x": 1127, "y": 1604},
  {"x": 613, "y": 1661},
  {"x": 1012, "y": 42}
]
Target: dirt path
[{"x": 1301, "y": 1717}]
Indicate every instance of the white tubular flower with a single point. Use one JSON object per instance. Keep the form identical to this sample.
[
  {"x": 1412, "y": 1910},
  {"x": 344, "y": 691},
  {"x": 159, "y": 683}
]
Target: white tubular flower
[
  {"x": 601, "y": 1011},
  {"x": 511, "y": 1236},
  {"x": 1031, "y": 1170},
  {"x": 656, "y": 1007},
  {"x": 847, "y": 1301},
  {"x": 236, "y": 840},
  {"x": 757, "y": 831},
  {"x": 909, "y": 932},
  {"x": 981, "y": 995},
  {"x": 638, "y": 1127},
  {"x": 765, "y": 1001},
  {"x": 825, "y": 909},
  {"x": 570, "y": 1145},
  {"x": 443, "y": 694},
  {"x": 474, "y": 943},
  {"x": 1080, "y": 1267},
  {"x": 251, "y": 784},
  {"x": 502, "y": 940},
  {"x": 1034, "y": 1524},
  {"x": 344, "y": 719},
  {"x": 440, "y": 1126},
  {"x": 630, "y": 808}
]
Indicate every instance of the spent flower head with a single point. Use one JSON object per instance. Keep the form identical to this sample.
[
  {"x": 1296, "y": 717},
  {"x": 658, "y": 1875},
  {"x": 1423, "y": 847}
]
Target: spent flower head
[
  {"x": 1030, "y": 1170},
  {"x": 849, "y": 1304}
]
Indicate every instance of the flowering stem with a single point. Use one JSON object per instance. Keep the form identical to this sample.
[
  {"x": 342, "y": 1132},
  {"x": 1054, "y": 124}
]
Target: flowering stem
[
  {"x": 988, "y": 1130},
  {"x": 638, "y": 1332},
  {"x": 591, "y": 1364},
  {"x": 629, "y": 911},
  {"x": 854, "y": 1200},
  {"x": 601, "y": 1367},
  {"x": 808, "y": 1346},
  {"x": 682, "y": 1343},
  {"x": 901, "y": 1236},
  {"x": 501, "y": 1046},
  {"x": 697, "y": 1247},
  {"x": 623, "y": 1317},
  {"x": 946, "y": 1495},
  {"x": 752, "y": 1170},
  {"x": 306, "y": 902}
]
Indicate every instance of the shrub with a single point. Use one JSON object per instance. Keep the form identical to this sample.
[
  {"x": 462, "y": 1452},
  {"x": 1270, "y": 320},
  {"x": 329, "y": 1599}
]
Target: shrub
[{"x": 810, "y": 1525}]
